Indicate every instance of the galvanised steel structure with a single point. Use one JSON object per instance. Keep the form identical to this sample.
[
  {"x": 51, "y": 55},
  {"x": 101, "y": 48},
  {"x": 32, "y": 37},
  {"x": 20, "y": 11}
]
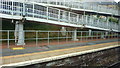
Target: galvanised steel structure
[{"x": 57, "y": 12}]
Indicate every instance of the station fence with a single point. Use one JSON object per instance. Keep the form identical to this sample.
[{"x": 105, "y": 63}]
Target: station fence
[{"x": 42, "y": 38}]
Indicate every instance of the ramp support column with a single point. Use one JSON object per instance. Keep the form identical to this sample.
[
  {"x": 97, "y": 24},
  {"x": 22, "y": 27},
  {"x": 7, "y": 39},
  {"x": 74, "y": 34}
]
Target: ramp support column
[
  {"x": 102, "y": 35},
  {"x": 74, "y": 35},
  {"x": 90, "y": 31},
  {"x": 19, "y": 33},
  {"x": 106, "y": 34}
]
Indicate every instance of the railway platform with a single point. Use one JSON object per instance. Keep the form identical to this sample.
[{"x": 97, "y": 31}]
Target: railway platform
[{"x": 33, "y": 55}]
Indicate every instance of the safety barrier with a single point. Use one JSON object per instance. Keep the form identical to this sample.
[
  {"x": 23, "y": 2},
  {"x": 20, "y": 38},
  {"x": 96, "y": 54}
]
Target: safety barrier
[
  {"x": 80, "y": 5},
  {"x": 41, "y": 38}
]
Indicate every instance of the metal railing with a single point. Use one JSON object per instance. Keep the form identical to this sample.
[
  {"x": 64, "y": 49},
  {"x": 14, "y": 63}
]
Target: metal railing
[
  {"x": 41, "y": 12},
  {"x": 41, "y": 38},
  {"x": 79, "y": 5}
]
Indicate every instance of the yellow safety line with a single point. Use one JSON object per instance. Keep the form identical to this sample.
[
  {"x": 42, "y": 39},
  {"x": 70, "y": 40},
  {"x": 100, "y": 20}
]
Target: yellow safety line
[
  {"x": 6, "y": 57},
  {"x": 18, "y": 48}
]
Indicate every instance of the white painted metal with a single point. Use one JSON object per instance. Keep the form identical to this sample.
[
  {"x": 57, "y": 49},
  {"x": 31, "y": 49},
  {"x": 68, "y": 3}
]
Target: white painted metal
[
  {"x": 86, "y": 6},
  {"x": 8, "y": 38},
  {"x": 48, "y": 38},
  {"x": 56, "y": 35},
  {"x": 53, "y": 16},
  {"x": 36, "y": 38}
]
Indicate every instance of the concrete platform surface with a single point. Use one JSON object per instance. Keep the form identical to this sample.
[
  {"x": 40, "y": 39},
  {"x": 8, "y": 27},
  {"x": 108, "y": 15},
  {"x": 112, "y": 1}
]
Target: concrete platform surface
[{"x": 34, "y": 55}]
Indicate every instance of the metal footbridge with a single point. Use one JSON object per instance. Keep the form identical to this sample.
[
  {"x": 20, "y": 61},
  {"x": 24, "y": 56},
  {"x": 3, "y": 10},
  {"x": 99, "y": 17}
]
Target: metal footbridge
[
  {"x": 27, "y": 47},
  {"x": 71, "y": 13},
  {"x": 45, "y": 11}
]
